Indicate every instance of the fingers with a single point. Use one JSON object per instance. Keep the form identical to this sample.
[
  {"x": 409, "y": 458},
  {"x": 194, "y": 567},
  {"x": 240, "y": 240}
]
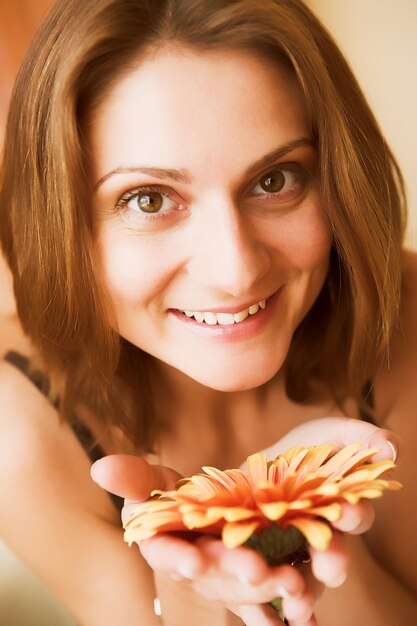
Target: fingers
[
  {"x": 297, "y": 613},
  {"x": 240, "y": 578},
  {"x": 330, "y": 566},
  {"x": 299, "y": 610},
  {"x": 309, "y": 622},
  {"x": 370, "y": 436},
  {"x": 247, "y": 564},
  {"x": 251, "y": 571},
  {"x": 356, "y": 518},
  {"x": 172, "y": 555},
  {"x": 341, "y": 431},
  {"x": 387, "y": 442},
  {"x": 131, "y": 477},
  {"x": 262, "y": 615}
]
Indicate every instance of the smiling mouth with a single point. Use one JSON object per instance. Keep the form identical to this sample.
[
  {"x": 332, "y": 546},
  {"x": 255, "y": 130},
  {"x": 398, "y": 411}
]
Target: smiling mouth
[{"x": 225, "y": 319}]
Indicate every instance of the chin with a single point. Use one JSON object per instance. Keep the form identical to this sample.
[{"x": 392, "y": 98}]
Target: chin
[{"x": 231, "y": 380}]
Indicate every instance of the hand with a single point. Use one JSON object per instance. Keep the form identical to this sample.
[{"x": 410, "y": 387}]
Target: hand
[
  {"x": 239, "y": 578},
  {"x": 330, "y": 567}
]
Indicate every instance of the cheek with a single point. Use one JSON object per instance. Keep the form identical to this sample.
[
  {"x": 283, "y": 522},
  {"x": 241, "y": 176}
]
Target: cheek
[
  {"x": 306, "y": 239},
  {"x": 132, "y": 270}
]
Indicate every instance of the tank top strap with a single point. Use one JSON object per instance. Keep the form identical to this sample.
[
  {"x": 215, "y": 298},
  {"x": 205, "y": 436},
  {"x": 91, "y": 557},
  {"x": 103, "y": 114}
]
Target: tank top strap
[{"x": 81, "y": 431}]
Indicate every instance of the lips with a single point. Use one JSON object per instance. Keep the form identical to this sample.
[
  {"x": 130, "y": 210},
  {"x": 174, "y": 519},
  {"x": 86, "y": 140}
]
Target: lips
[{"x": 224, "y": 318}]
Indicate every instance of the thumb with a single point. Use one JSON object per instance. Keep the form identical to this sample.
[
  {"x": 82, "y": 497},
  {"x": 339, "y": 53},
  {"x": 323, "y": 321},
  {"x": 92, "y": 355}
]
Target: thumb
[{"x": 131, "y": 477}]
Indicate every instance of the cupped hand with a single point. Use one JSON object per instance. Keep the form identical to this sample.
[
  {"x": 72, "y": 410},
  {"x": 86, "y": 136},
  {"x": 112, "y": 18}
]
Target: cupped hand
[
  {"x": 330, "y": 566},
  {"x": 340, "y": 431},
  {"x": 238, "y": 578}
]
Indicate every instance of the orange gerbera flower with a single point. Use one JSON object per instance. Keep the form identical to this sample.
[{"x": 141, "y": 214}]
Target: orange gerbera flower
[{"x": 301, "y": 491}]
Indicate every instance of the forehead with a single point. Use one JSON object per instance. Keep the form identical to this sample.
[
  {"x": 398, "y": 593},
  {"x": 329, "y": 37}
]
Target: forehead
[{"x": 190, "y": 106}]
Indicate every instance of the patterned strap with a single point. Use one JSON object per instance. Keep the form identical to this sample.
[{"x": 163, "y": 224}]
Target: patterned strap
[{"x": 81, "y": 431}]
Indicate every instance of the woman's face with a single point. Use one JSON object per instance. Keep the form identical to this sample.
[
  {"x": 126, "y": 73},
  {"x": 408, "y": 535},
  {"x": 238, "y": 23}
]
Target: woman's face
[{"x": 212, "y": 242}]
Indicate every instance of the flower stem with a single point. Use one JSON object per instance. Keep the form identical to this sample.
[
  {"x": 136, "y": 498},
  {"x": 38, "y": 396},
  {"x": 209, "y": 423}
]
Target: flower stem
[{"x": 279, "y": 546}]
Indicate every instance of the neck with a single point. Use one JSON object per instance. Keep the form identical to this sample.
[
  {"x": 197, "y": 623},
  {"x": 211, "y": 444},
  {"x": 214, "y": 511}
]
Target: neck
[{"x": 206, "y": 426}]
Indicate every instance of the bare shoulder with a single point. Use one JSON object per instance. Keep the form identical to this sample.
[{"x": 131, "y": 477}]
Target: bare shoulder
[
  {"x": 35, "y": 442},
  {"x": 396, "y": 386},
  {"x": 48, "y": 494},
  {"x": 396, "y": 405},
  {"x": 29, "y": 424}
]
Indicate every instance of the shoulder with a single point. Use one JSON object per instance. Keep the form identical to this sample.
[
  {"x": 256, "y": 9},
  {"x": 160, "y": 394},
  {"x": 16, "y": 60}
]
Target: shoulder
[
  {"x": 49, "y": 495},
  {"x": 396, "y": 407},
  {"x": 38, "y": 451},
  {"x": 395, "y": 385},
  {"x": 19, "y": 398},
  {"x": 25, "y": 413}
]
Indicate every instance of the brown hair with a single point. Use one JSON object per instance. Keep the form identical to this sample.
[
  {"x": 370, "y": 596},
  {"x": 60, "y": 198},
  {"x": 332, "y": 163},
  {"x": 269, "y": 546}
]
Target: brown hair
[{"x": 46, "y": 229}]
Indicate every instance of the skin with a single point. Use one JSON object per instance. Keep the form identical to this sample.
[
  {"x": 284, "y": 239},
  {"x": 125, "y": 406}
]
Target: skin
[
  {"x": 181, "y": 110},
  {"x": 251, "y": 245}
]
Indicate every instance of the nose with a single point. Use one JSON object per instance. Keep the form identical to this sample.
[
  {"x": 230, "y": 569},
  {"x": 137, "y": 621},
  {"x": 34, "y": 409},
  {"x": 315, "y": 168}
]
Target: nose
[{"x": 230, "y": 255}]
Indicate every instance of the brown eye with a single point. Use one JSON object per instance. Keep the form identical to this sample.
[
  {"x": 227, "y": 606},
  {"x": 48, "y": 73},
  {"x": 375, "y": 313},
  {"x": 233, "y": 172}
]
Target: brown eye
[
  {"x": 273, "y": 181},
  {"x": 149, "y": 202}
]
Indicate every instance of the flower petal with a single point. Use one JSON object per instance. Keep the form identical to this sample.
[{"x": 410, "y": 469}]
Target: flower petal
[
  {"x": 258, "y": 469},
  {"x": 235, "y": 534},
  {"x": 331, "y": 512},
  {"x": 350, "y": 465},
  {"x": 297, "y": 459},
  {"x": 301, "y": 488},
  {"x": 281, "y": 470},
  {"x": 221, "y": 478},
  {"x": 298, "y": 505},
  {"x": 230, "y": 514},
  {"x": 318, "y": 534},
  {"x": 316, "y": 456},
  {"x": 239, "y": 478},
  {"x": 338, "y": 459},
  {"x": 196, "y": 519},
  {"x": 205, "y": 486},
  {"x": 274, "y": 510}
]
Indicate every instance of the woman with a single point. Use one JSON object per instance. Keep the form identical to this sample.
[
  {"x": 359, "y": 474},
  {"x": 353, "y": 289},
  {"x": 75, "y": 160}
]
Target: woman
[{"x": 205, "y": 235}]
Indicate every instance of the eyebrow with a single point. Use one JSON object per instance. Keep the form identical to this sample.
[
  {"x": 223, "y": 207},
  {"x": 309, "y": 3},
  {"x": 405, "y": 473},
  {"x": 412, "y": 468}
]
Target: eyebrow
[
  {"x": 183, "y": 176},
  {"x": 269, "y": 158}
]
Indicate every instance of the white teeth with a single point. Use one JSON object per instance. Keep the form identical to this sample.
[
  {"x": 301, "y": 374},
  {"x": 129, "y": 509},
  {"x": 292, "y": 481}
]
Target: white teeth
[
  {"x": 199, "y": 316},
  {"x": 242, "y": 315},
  {"x": 210, "y": 318},
  {"x": 225, "y": 319}
]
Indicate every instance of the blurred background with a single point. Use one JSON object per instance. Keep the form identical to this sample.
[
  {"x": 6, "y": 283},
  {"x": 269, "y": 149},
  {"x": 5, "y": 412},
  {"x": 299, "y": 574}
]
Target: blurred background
[{"x": 379, "y": 38}]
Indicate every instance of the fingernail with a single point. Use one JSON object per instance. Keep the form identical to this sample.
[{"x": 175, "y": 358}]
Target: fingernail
[
  {"x": 337, "y": 581},
  {"x": 284, "y": 593},
  {"x": 157, "y": 607},
  {"x": 186, "y": 571},
  {"x": 393, "y": 450},
  {"x": 177, "y": 577},
  {"x": 244, "y": 580}
]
